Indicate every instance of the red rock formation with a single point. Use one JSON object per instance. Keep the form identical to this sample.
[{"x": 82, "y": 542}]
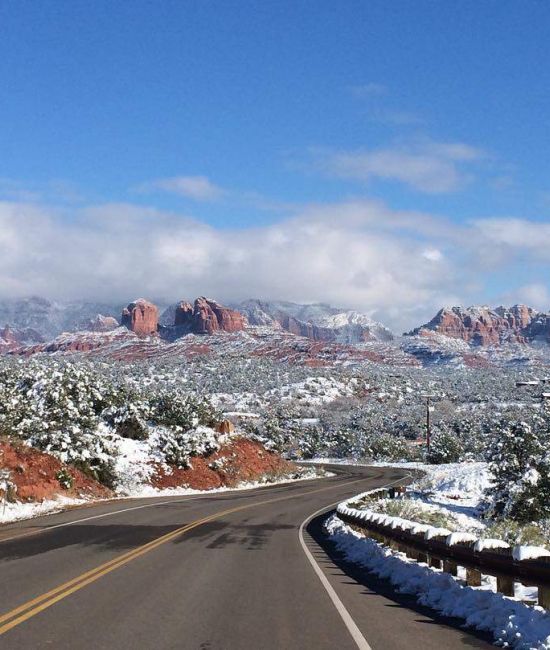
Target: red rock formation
[
  {"x": 141, "y": 317},
  {"x": 102, "y": 324},
  {"x": 225, "y": 426},
  {"x": 34, "y": 475},
  {"x": 206, "y": 317},
  {"x": 8, "y": 336},
  {"x": 242, "y": 460},
  {"x": 11, "y": 339},
  {"x": 481, "y": 325}
]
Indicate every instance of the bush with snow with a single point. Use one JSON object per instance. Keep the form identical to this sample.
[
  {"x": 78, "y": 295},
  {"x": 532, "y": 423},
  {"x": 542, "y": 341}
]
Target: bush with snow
[
  {"x": 79, "y": 411},
  {"x": 520, "y": 463}
]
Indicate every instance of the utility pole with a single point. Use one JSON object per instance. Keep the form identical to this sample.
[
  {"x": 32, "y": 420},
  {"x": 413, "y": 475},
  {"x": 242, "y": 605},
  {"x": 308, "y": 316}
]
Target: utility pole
[{"x": 429, "y": 409}]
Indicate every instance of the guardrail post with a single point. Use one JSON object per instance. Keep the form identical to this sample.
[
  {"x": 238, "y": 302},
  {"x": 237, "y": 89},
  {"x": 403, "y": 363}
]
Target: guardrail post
[
  {"x": 505, "y": 585},
  {"x": 434, "y": 562},
  {"x": 544, "y": 596},
  {"x": 473, "y": 577},
  {"x": 449, "y": 566}
]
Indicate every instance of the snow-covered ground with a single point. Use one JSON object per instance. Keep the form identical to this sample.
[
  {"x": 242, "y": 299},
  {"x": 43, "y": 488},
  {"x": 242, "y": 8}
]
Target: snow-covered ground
[
  {"x": 314, "y": 391},
  {"x": 512, "y": 623},
  {"x": 17, "y": 511},
  {"x": 454, "y": 489}
]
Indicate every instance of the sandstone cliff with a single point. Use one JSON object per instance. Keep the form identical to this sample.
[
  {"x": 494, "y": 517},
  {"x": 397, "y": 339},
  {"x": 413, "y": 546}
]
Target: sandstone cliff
[
  {"x": 484, "y": 326},
  {"x": 141, "y": 317}
]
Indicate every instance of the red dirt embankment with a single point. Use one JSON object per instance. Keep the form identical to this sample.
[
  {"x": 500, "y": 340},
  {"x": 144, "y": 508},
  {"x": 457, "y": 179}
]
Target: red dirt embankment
[
  {"x": 240, "y": 460},
  {"x": 35, "y": 475}
]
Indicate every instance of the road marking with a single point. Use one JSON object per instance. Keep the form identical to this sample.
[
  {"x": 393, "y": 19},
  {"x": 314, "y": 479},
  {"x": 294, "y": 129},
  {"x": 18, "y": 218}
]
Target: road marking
[
  {"x": 346, "y": 617},
  {"x": 195, "y": 497},
  {"x": 29, "y": 609},
  {"x": 78, "y": 521}
]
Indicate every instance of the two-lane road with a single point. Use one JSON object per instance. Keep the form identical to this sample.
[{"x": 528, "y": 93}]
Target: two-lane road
[{"x": 222, "y": 571}]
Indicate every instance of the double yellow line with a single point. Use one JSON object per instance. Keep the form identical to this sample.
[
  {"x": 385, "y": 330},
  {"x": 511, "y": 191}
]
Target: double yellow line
[{"x": 33, "y": 607}]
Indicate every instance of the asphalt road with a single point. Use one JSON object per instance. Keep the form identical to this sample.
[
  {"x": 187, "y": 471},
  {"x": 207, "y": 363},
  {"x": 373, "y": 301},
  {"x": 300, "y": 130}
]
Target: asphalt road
[{"x": 224, "y": 571}]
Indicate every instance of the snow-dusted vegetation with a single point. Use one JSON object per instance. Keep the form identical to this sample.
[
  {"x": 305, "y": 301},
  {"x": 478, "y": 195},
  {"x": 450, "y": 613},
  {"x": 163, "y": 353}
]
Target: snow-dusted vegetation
[
  {"x": 110, "y": 419},
  {"x": 92, "y": 415}
]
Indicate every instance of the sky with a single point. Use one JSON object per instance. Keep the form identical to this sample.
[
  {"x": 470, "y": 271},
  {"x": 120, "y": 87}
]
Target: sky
[{"x": 388, "y": 157}]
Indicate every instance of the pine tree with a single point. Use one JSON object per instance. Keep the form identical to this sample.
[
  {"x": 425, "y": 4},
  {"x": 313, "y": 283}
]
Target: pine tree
[{"x": 520, "y": 464}]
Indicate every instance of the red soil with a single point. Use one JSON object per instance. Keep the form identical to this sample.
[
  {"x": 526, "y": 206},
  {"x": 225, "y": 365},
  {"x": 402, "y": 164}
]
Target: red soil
[
  {"x": 243, "y": 460},
  {"x": 34, "y": 475}
]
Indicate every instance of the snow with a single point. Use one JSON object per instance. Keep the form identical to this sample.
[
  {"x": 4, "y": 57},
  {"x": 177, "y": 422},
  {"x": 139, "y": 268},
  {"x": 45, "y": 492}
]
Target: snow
[
  {"x": 460, "y": 538},
  {"x": 453, "y": 488},
  {"x": 436, "y": 532},
  {"x": 489, "y": 544},
  {"x": 521, "y": 553},
  {"x": 10, "y": 512},
  {"x": 512, "y": 623}
]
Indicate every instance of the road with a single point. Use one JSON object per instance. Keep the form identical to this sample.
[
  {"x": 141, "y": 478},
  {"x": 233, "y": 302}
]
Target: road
[{"x": 209, "y": 572}]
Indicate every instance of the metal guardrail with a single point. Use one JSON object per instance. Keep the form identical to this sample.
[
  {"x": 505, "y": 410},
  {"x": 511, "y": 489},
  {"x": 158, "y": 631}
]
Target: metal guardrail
[{"x": 439, "y": 548}]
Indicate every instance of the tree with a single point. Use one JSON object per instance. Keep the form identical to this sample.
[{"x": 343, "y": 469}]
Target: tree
[{"x": 520, "y": 463}]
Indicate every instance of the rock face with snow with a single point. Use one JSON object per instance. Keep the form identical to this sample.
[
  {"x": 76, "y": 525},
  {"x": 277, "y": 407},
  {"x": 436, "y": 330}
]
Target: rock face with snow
[
  {"x": 48, "y": 319},
  {"x": 102, "y": 324},
  {"x": 205, "y": 316},
  {"x": 483, "y": 326},
  {"x": 318, "y": 322},
  {"x": 538, "y": 330},
  {"x": 11, "y": 338},
  {"x": 141, "y": 317}
]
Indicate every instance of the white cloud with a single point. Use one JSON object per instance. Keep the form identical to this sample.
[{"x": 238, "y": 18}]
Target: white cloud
[
  {"x": 512, "y": 235},
  {"x": 395, "y": 265},
  {"x": 535, "y": 295},
  {"x": 425, "y": 166},
  {"x": 354, "y": 255},
  {"x": 198, "y": 188}
]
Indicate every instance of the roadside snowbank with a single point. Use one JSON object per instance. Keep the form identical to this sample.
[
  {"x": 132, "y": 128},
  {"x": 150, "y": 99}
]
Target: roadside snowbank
[
  {"x": 512, "y": 623},
  {"x": 10, "y": 512}
]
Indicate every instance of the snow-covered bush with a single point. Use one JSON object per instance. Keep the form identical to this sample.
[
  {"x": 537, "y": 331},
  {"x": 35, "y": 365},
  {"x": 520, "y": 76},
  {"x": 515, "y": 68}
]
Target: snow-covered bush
[
  {"x": 78, "y": 411},
  {"x": 520, "y": 463},
  {"x": 445, "y": 447},
  {"x": 181, "y": 412},
  {"x": 179, "y": 447}
]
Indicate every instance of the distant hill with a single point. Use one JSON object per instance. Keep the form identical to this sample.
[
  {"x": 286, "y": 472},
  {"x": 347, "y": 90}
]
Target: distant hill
[{"x": 319, "y": 321}]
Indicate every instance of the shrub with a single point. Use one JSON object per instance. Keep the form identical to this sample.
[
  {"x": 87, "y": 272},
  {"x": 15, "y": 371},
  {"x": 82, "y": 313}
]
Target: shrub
[
  {"x": 520, "y": 464},
  {"x": 445, "y": 447},
  {"x": 65, "y": 479}
]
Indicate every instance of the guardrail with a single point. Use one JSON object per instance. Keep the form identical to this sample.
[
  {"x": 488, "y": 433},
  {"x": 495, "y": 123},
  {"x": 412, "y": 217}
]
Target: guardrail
[{"x": 440, "y": 548}]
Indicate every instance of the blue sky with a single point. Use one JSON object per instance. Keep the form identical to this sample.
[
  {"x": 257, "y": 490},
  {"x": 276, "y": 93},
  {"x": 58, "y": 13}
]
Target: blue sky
[{"x": 242, "y": 117}]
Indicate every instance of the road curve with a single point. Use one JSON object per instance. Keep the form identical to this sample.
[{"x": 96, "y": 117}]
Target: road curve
[{"x": 223, "y": 571}]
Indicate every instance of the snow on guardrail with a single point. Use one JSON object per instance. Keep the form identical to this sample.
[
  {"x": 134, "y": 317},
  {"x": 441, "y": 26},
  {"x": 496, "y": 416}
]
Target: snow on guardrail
[{"x": 411, "y": 555}]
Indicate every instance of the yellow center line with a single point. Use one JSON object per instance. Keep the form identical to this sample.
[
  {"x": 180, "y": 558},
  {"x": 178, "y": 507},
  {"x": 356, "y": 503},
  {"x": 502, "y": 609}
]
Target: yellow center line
[{"x": 32, "y": 607}]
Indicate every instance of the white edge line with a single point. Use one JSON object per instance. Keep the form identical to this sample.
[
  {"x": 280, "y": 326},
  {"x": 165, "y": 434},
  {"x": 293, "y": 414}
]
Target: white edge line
[{"x": 346, "y": 617}]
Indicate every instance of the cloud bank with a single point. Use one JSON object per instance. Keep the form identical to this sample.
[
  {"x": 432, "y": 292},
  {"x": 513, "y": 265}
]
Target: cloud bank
[{"x": 399, "y": 267}]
